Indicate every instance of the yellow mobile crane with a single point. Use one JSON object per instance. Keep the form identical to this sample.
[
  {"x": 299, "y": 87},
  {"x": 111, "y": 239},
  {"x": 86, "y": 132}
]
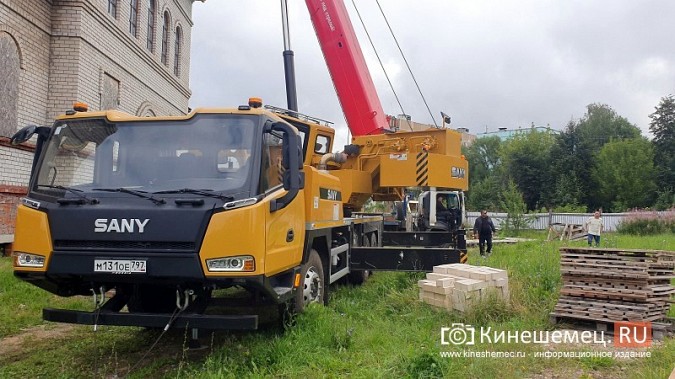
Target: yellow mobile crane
[{"x": 166, "y": 210}]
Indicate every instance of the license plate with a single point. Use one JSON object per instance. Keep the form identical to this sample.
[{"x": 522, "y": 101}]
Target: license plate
[{"x": 119, "y": 266}]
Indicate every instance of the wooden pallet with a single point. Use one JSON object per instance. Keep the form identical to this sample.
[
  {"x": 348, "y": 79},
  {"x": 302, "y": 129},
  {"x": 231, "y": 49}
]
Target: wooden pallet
[
  {"x": 610, "y": 285},
  {"x": 660, "y": 329}
]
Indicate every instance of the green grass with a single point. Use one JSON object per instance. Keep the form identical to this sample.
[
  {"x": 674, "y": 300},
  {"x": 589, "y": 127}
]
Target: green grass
[
  {"x": 378, "y": 330},
  {"x": 21, "y": 304}
]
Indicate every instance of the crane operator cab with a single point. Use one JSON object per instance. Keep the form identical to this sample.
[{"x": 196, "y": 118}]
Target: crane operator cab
[{"x": 441, "y": 210}]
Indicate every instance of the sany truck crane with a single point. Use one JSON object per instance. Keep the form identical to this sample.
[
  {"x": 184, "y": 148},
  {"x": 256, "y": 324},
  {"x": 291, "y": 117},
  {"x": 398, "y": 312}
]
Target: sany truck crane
[
  {"x": 161, "y": 213},
  {"x": 365, "y": 116}
]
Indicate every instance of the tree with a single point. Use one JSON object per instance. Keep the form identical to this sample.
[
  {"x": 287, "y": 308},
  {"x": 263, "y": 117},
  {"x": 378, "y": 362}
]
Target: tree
[
  {"x": 483, "y": 157},
  {"x": 512, "y": 203},
  {"x": 663, "y": 128},
  {"x": 525, "y": 159},
  {"x": 573, "y": 155},
  {"x": 624, "y": 172},
  {"x": 484, "y": 194},
  {"x": 566, "y": 194}
]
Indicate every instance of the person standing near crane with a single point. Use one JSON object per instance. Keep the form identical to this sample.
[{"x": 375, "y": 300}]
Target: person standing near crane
[
  {"x": 594, "y": 227},
  {"x": 483, "y": 227}
]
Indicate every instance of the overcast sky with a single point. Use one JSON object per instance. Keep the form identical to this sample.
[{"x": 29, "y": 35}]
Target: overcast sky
[{"x": 488, "y": 64}]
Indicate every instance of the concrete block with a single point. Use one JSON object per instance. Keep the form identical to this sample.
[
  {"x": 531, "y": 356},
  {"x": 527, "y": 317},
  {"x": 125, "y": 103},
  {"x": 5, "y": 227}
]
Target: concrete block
[
  {"x": 437, "y": 276},
  {"x": 425, "y": 282},
  {"x": 431, "y": 288},
  {"x": 445, "y": 282},
  {"x": 500, "y": 274},
  {"x": 469, "y": 285},
  {"x": 501, "y": 283},
  {"x": 441, "y": 269}
]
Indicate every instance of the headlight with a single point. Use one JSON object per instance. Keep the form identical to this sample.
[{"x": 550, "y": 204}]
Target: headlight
[
  {"x": 22, "y": 259},
  {"x": 239, "y": 263}
]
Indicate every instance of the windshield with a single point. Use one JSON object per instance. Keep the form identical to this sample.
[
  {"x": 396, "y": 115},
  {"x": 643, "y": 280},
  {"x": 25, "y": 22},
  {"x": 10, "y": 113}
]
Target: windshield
[{"x": 208, "y": 152}]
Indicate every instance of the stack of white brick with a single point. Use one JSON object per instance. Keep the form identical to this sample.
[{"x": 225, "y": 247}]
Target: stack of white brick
[{"x": 458, "y": 286}]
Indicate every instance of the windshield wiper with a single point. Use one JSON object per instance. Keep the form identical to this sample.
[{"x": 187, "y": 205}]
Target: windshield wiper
[
  {"x": 142, "y": 194},
  {"x": 81, "y": 198},
  {"x": 198, "y": 192}
]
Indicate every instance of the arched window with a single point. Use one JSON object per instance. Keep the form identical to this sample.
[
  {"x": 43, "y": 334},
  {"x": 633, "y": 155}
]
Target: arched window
[
  {"x": 10, "y": 69},
  {"x": 165, "y": 38},
  {"x": 152, "y": 11},
  {"x": 177, "y": 50},
  {"x": 133, "y": 17},
  {"x": 112, "y": 8}
]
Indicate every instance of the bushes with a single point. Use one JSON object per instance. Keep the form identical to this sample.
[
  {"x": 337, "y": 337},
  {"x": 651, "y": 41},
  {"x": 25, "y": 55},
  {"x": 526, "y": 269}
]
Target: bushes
[{"x": 645, "y": 222}]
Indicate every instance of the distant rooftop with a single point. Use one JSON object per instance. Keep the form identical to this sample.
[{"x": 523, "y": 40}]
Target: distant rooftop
[{"x": 504, "y": 133}]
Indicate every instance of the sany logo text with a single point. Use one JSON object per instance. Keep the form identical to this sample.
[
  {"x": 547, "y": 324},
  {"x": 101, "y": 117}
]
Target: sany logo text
[{"x": 123, "y": 225}]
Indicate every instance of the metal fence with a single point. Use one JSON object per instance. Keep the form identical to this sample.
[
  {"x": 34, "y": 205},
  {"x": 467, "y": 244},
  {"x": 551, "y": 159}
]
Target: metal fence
[{"x": 541, "y": 221}]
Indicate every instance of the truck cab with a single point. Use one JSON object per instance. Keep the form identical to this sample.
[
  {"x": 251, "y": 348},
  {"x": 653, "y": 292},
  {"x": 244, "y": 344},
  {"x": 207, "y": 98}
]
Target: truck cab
[{"x": 441, "y": 210}]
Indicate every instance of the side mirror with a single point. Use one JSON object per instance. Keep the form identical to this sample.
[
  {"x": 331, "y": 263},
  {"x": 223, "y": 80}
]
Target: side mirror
[
  {"x": 293, "y": 177},
  {"x": 23, "y": 135},
  {"x": 26, "y": 133}
]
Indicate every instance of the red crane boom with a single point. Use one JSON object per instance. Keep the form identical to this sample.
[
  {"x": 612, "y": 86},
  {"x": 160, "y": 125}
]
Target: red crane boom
[{"x": 347, "y": 67}]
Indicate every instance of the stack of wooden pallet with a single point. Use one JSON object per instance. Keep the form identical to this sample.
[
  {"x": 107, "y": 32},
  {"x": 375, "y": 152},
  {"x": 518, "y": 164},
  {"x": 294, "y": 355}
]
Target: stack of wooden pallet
[
  {"x": 566, "y": 232},
  {"x": 458, "y": 286},
  {"x": 610, "y": 285}
]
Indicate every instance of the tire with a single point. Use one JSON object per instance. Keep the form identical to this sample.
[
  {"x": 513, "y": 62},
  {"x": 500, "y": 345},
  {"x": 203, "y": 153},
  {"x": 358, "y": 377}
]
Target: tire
[
  {"x": 152, "y": 299},
  {"x": 313, "y": 286}
]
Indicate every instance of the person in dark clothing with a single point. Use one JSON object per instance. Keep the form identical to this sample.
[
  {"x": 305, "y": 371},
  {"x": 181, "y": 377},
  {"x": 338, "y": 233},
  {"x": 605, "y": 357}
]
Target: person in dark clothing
[
  {"x": 483, "y": 227},
  {"x": 444, "y": 214}
]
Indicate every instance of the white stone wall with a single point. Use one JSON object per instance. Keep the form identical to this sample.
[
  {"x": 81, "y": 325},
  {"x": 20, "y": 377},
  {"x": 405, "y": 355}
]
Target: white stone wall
[
  {"x": 15, "y": 167},
  {"x": 66, "y": 47}
]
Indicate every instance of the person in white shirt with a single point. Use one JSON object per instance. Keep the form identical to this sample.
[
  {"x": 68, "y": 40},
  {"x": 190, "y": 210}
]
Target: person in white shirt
[{"x": 594, "y": 227}]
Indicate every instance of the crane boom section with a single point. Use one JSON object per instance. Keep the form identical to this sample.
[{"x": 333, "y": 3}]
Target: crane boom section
[{"x": 347, "y": 67}]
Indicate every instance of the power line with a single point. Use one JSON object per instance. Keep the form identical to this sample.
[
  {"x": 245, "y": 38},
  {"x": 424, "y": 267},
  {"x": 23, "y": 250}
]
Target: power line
[
  {"x": 406, "y": 63},
  {"x": 381, "y": 64}
]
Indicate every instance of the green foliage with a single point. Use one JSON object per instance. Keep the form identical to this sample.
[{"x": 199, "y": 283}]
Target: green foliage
[
  {"x": 425, "y": 365},
  {"x": 554, "y": 170},
  {"x": 566, "y": 195},
  {"x": 665, "y": 199},
  {"x": 624, "y": 172},
  {"x": 663, "y": 128},
  {"x": 512, "y": 203},
  {"x": 377, "y": 330},
  {"x": 526, "y": 162},
  {"x": 484, "y": 158},
  {"x": 644, "y": 223},
  {"x": 573, "y": 155},
  {"x": 492, "y": 309},
  {"x": 484, "y": 194},
  {"x": 374, "y": 206},
  {"x": 570, "y": 208}
]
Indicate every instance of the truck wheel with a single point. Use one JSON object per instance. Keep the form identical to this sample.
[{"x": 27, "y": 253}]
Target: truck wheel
[{"x": 312, "y": 288}]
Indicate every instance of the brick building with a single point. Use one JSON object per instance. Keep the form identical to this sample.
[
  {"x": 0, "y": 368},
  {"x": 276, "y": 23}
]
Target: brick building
[{"x": 131, "y": 55}]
